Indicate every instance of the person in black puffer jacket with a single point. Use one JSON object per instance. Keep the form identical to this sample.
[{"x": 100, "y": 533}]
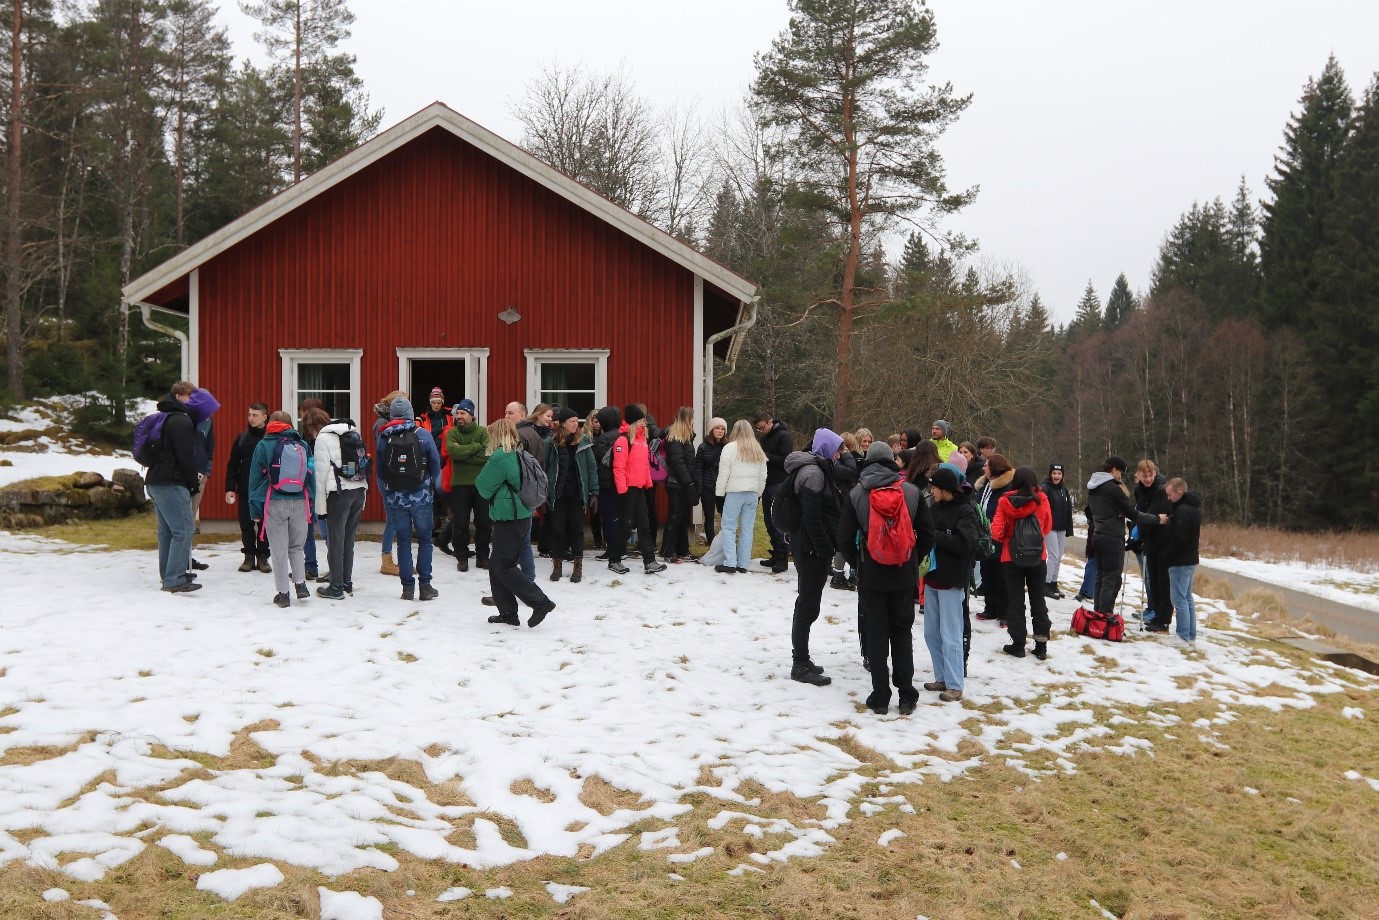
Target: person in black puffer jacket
[
  {"x": 1151, "y": 497},
  {"x": 706, "y": 473},
  {"x": 1111, "y": 508},
  {"x": 1180, "y": 554},
  {"x": 171, "y": 482},
  {"x": 614, "y": 537},
  {"x": 1055, "y": 489},
  {"x": 813, "y": 543},
  {"x": 682, "y": 491}
]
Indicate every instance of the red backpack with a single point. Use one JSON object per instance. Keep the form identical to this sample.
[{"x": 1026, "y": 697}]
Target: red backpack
[{"x": 890, "y": 530}]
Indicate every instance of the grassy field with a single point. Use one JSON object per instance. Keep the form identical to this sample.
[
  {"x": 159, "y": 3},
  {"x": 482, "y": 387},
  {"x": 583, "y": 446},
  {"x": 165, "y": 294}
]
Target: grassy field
[{"x": 1349, "y": 549}]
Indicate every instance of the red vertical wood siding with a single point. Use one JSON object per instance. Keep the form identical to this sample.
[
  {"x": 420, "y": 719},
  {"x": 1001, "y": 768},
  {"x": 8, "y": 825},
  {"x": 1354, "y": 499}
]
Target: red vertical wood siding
[{"x": 423, "y": 249}]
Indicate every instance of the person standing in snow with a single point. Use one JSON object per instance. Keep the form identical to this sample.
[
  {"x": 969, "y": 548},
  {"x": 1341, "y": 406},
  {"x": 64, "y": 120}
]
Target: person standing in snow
[
  {"x": 1111, "y": 508},
  {"x": 614, "y": 535},
  {"x": 740, "y": 482},
  {"x": 1180, "y": 556},
  {"x": 408, "y": 469},
  {"x": 706, "y": 473},
  {"x": 171, "y": 482},
  {"x": 339, "y": 498},
  {"x": 311, "y": 418},
  {"x": 499, "y": 483},
  {"x": 382, "y": 410},
  {"x": 202, "y": 405},
  {"x": 682, "y": 489},
  {"x": 466, "y": 444},
  {"x": 776, "y": 442},
  {"x": 632, "y": 478},
  {"x": 1061, "y": 510},
  {"x": 955, "y": 547},
  {"x": 812, "y": 543},
  {"x": 237, "y": 489},
  {"x": 1151, "y": 497},
  {"x": 572, "y": 484},
  {"x": 437, "y": 420},
  {"x": 1024, "y": 500},
  {"x": 280, "y": 484}
]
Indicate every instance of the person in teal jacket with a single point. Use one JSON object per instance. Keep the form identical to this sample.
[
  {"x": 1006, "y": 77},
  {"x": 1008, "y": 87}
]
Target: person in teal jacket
[
  {"x": 573, "y": 480},
  {"x": 281, "y": 511},
  {"x": 499, "y": 483}
]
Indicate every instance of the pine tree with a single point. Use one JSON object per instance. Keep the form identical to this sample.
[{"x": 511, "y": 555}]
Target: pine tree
[
  {"x": 1120, "y": 304},
  {"x": 1304, "y": 194},
  {"x": 1087, "y": 320},
  {"x": 1036, "y": 318},
  {"x": 197, "y": 67},
  {"x": 844, "y": 79},
  {"x": 336, "y": 115}
]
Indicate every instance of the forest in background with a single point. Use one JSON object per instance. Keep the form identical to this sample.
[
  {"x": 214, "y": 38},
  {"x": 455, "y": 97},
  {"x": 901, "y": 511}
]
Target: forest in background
[{"x": 1249, "y": 365}]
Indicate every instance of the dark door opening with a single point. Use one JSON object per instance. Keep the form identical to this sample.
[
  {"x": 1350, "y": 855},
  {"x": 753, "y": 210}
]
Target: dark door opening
[{"x": 450, "y": 374}]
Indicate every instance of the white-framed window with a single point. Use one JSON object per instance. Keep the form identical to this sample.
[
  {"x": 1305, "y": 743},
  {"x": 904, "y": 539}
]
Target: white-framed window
[
  {"x": 576, "y": 378},
  {"x": 330, "y": 375}
]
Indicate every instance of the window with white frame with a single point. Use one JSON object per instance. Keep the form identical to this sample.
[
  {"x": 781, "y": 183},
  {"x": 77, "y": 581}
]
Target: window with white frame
[
  {"x": 577, "y": 379},
  {"x": 330, "y": 376}
]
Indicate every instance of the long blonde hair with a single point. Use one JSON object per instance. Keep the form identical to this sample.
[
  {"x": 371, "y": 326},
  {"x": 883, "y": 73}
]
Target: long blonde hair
[
  {"x": 589, "y": 424},
  {"x": 748, "y": 450},
  {"x": 540, "y": 410},
  {"x": 502, "y": 435},
  {"x": 682, "y": 429}
]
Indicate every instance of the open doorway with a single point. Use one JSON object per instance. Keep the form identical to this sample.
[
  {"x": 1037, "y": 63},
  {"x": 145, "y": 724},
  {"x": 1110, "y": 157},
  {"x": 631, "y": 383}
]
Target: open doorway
[{"x": 450, "y": 374}]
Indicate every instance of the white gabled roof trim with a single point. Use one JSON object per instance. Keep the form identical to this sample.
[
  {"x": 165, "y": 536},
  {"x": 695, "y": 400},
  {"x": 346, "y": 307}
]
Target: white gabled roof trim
[{"x": 435, "y": 115}]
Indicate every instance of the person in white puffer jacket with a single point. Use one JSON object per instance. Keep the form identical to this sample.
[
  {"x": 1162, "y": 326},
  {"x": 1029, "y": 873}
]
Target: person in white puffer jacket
[
  {"x": 340, "y": 495},
  {"x": 741, "y": 480}
]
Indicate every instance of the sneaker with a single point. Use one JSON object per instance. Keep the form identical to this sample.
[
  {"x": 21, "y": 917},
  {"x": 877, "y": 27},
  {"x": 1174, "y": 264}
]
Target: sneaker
[
  {"x": 602, "y": 557},
  {"x": 408, "y": 593},
  {"x": 303, "y": 592},
  {"x": 539, "y": 613},
  {"x": 725, "y": 569},
  {"x": 199, "y": 565},
  {"x": 1157, "y": 628},
  {"x": 331, "y": 592},
  {"x": 428, "y": 593},
  {"x": 936, "y": 685},
  {"x": 950, "y": 696},
  {"x": 804, "y": 673},
  {"x": 498, "y": 618},
  {"x": 983, "y": 615},
  {"x": 184, "y": 588},
  {"x": 809, "y": 665},
  {"x": 652, "y": 568},
  {"x": 907, "y": 707},
  {"x": 617, "y": 568},
  {"x": 282, "y": 600}
]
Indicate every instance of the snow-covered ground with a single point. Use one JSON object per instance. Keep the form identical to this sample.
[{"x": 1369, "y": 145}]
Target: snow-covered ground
[
  {"x": 1348, "y": 586},
  {"x": 56, "y": 453}
]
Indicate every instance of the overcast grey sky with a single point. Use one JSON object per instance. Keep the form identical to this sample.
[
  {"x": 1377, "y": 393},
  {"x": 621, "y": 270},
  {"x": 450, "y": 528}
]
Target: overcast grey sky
[{"x": 1093, "y": 124}]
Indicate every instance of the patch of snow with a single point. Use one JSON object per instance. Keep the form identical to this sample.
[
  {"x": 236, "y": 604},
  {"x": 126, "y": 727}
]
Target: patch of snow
[
  {"x": 1062, "y": 857},
  {"x": 56, "y": 895},
  {"x": 1356, "y": 775},
  {"x": 660, "y": 840},
  {"x": 1106, "y": 914},
  {"x": 453, "y": 894},
  {"x": 187, "y": 850},
  {"x": 498, "y": 894},
  {"x": 232, "y": 883},
  {"x": 1015, "y": 864},
  {"x": 674, "y": 877},
  {"x": 561, "y": 893},
  {"x": 1250, "y": 790},
  {"x": 742, "y": 869},
  {"x": 349, "y": 905},
  {"x": 690, "y": 857},
  {"x": 886, "y": 838},
  {"x": 1352, "y": 712},
  {"x": 1348, "y": 586}
]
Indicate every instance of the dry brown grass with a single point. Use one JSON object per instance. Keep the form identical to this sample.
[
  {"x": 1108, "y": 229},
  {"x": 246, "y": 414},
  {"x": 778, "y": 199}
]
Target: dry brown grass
[{"x": 1349, "y": 549}]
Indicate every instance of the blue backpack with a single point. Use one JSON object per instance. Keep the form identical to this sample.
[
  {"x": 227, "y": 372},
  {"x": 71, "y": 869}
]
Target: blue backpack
[
  {"x": 148, "y": 438},
  {"x": 286, "y": 474}
]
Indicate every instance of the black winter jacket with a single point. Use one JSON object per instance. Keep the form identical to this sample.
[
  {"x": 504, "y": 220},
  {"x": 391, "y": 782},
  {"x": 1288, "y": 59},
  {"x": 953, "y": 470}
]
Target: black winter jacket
[
  {"x": 241, "y": 453},
  {"x": 955, "y": 543},
  {"x": 176, "y": 463},
  {"x": 679, "y": 464},
  {"x": 1111, "y": 508},
  {"x": 1153, "y": 500},
  {"x": 609, "y": 419},
  {"x": 853, "y": 528},
  {"x": 778, "y": 445},
  {"x": 1184, "y": 530},
  {"x": 706, "y": 466},
  {"x": 1060, "y": 506},
  {"x": 820, "y": 507}
]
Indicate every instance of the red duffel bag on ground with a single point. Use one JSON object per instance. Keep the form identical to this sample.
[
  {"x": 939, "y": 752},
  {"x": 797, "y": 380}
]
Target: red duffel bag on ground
[{"x": 1108, "y": 626}]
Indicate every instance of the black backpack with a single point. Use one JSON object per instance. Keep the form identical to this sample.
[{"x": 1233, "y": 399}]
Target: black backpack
[
  {"x": 404, "y": 464},
  {"x": 1027, "y": 542},
  {"x": 354, "y": 456}
]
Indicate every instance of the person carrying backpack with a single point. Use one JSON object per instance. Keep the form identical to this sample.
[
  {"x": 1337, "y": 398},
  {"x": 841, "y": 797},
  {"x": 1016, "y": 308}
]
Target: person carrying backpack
[
  {"x": 171, "y": 482},
  {"x": 884, "y": 531},
  {"x": 409, "y": 474},
  {"x": 500, "y": 484},
  {"x": 280, "y": 481},
  {"x": 1022, "y": 521},
  {"x": 808, "y": 509},
  {"x": 342, "y": 487}
]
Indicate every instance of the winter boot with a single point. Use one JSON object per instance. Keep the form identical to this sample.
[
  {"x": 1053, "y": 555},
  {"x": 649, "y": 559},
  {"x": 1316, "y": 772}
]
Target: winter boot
[
  {"x": 428, "y": 593},
  {"x": 577, "y": 571},
  {"x": 388, "y": 567},
  {"x": 282, "y": 600},
  {"x": 250, "y": 564},
  {"x": 1051, "y": 591},
  {"x": 950, "y": 696},
  {"x": 408, "y": 593},
  {"x": 199, "y": 565},
  {"x": 498, "y": 618},
  {"x": 557, "y": 567},
  {"x": 651, "y": 568},
  {"x": 807, "y": 672},
  {"x": 1013, "y": 650},
  {"x": 462, "y": 564},
  {"x": 839, "y": 580},
  {"x": 482, "y": 561},
  {"x": 303, "y": 592},
  {"x": 1041, "y": 647},
  {"x": 779, "y": 564},
  {"x": 264, "y": 567},
  {"x": 539, "y": 613}
]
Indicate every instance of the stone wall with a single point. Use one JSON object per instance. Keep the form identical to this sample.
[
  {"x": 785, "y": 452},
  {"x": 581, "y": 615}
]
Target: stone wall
[{"x": 76, "y": 496}]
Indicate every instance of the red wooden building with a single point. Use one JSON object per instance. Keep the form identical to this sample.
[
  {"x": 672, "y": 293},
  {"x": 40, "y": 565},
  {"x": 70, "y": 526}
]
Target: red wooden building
[{"x": 439, "y": 254}]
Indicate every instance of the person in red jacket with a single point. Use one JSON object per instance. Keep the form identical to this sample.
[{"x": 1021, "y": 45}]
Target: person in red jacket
[
  {"x": 1024, "y": 560},
  {"x": 632, "y": 480}
]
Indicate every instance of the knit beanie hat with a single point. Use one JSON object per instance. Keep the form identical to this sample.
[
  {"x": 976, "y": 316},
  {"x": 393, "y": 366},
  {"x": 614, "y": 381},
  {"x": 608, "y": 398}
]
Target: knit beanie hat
[
  {"x": 826, "y": 443},
  {"x": 1114, "y": 462},
  {"x": 401, "y": 408},
  {"x": 943, "y": 426},
  {"x": 1056, "y": 466},
  {"x": 945, "y": 478},
  {"x": 437, "y": 393},
  {"x": 632, "y": 415},
  {"x": 564, "y": 414},
  {"x": 715, "y": 422},
  {"x": 880, "y": 450},
  {"x": 465, "y": 405},
  {"x": 957, "y": 461}
]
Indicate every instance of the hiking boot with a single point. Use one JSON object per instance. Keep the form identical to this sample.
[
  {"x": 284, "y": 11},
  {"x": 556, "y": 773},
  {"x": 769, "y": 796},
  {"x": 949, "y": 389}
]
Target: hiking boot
[
  {"x": 331, "y": 592},
  {"x": 741, "y": 570},
  {"x": 879, "y": 708},
  {"x": 1051, "y": 591},
  {"x": 199, "y": 565},
  {"x": 184, "y": 588},
  {"x": 651, "y": 568},
  {"x": 577, "y": 571},
  {"x": 462, "y": 564},
  {"x": 950, "y": 696},
  {"x": 250, "y": 564},
  {"x": 482, "y": 560},
  {"x": 1081, "y": 598},
  {"x": 807, "y": 672},
  {"x": 499, "y": 618},
  {"x": 408, "y": 593},
  {"x": 780, "y": 565},
  {"x": 1013, "y": 650},
  {"x": 388, "y": 566},
  {"x": 303, "y": 592},
  {"x": 1157, "y": 628},
  {"x": 312, "y": 573},
  {"x": 1041, "y": 648},
  {"x": 282, "y": 600},
  {"x": 852, "y": 582},
  {"x": 936, "y": 685},
  {"x": 557, "y": 568},
  {"x": 428, "y": 593},
  {"x": 907, "y": 707},
  {"x": 838, "y": 581},
  {"x": 323, "y": 579},
  {"x": 617, "y": 568},
  {"x": 539, "y": 613},
  {"x": 264, "y": 567},
  {"x": 488, "y": 601},
  {"x": 725, "y": 569}
]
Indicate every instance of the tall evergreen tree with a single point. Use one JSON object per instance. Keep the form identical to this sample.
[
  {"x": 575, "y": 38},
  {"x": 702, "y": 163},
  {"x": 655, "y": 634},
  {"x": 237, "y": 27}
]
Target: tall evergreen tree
[
  {"x": 1304, "y": 194},
  {"x": 846, "y": 80},
  {"x": 1088, "y": 319},
  {"x": 1120, "y": 304},
  {"x": 197, "y": 67}
]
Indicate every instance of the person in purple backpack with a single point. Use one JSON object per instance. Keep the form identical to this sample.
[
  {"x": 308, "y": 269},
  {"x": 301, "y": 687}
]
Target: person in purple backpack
[
  {"x": 171, "y": 482},
  {"x": 280, "y": 482}
]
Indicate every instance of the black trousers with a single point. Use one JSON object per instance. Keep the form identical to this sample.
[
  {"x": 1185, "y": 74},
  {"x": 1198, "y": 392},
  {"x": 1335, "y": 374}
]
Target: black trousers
[
  {"x": 651, "y": 515},
  {"x": 994, "y": 590},
  {"x": 1160, "y": 597},
  {"x": 463, "y": 501},
  {"x": 632, "y": 511},
  {"x": 675, "y": 541},
  {"x": 778, "y": 545},
  {"x": 567, "y": 528},
  {"x": 811, "y": 574},
  {"x": 505, "y": 579},
  {"x": 710, "y": 503},
  {"x": 888, "y": 617},
  {"x": 596, "y": 527},
  {"x": 1110, "y": 563},
  {"x": 254, "y": 545},
  {"x": 1021, "y": 580},
  {"x": 541, "y": 533}
]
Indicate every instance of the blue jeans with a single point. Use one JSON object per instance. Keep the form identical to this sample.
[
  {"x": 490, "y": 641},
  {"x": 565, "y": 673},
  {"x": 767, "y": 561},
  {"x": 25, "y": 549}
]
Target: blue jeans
[
  {"x": 387, "y": 537},
  {"x": 1088, "y": 588},
  {"x": 525, "y": 560},
  {"x": 172, "y": 505},
  {"x": 943, "y": 634},
  {"x": 310, "y": 548},
  {"x": 1180, "y": 589},
  {"x": 739, "y": 520},
  {"x": 403, "y": 518}
]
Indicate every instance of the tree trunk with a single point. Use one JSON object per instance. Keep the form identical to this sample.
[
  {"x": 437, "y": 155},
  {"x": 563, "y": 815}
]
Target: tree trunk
[
  {"x": 297, "y": 100},
  {"x": 849, "y": 292},
  {"x": 14, "y": 346}
]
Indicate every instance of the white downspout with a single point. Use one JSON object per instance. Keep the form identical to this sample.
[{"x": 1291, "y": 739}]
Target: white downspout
[
  {"x": 713, "y": 340},
  {"x": 146, "y": 309}
]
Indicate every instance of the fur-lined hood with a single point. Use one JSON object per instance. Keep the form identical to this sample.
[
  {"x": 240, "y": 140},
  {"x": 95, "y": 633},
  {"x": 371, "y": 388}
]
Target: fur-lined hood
[{"x": 1000, "y": 482}]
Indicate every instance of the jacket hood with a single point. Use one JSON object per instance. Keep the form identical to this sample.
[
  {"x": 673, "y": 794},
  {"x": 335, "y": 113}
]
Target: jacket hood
[
  {"x": 1023, "y": 505},
  {"x": 799, "y": 458},
  {"x": 336, "y": 428},
  {"x": 826, "y": 443},
  {"x": 1099, "y": 479},
  {"x": 609, "y": 418},
  {"x": 877, "y": 475},
  {"x": 777, "y": 426},
  {"x": 202, "y": 405},
  {"x": 1000, "y": 482},
  {"x": 282, "y": 430},
  {"x": 168, "y": 404},
  {"x": 912, "y": 437},
  {"x": 1191, "y": 498}
]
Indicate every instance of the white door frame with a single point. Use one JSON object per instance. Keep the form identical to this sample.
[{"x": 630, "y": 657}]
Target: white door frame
[{"x": 475, "y": 369}]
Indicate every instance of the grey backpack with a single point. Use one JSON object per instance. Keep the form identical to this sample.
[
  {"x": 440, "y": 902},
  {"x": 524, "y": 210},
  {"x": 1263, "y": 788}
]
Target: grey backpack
[{"x": 533, "y": 489}]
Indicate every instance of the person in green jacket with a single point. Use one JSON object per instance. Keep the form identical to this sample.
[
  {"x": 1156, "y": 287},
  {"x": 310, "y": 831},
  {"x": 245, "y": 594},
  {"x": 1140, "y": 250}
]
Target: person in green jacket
[
  {"x": 573, "y": 480},
  {"x": 466, "y": 444},
  {"x": 939, "y": 435},
  {"x": 499, "y": 483}
]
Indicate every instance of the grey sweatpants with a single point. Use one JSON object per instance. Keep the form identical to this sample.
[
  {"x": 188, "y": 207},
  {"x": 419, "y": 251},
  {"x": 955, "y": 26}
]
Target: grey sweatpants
[
  {"x": 286, "y": 539},
  {"x": 1054, "y": 543}
]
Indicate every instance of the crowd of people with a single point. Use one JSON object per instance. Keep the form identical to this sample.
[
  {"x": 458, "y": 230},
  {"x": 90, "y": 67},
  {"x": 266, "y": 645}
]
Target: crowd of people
[{"x": 911, "y": 524}]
